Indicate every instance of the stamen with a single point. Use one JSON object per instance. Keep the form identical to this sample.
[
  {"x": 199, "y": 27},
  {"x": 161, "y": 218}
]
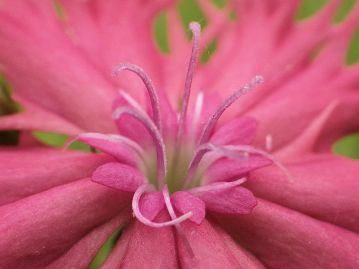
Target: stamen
[
  {"x": 207, "y": 130},
  {"x": 115, "y": 138},
  {"x": 129, "y": 99},
  {"x": 250, "y": 149},
  {"x": 230, "y": 151},
  {"x": 201, "y": 151},
  {"x": 219, "y": 186},
  {"x": 168, "y": 203},
  {"x": 152, "y": 92},
  {"x": 155, "y": 134},
  {"x": 133, "y": 144},
  {"x": 196, "y": 31},
  {"x": 137, "y": 212},
  {"x": 173, "y": 216}
]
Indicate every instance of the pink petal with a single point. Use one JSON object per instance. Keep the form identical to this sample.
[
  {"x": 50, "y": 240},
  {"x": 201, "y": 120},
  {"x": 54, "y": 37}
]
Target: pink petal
[
  {"x": 180, "y": 50},
  {"x": 47, "y": 224},
  {"x": 233, "y": 201},
  {"x": 83, "y": 252},
  {"x": 243, "y": 256},
  {"x": 130, "y": 127},
  {"x": 304, "y": 143},
  {"x": 237, "y": 131},
  {"x": 335, "y": 121},
  {"x": 207, "y": 249},
  {"x": 185, "y": 202},
  {"x": 38, "y": 121},
  {"x": 119, "y": 176},
  {"x": 28, "y": 171},
  {"x": 323, "y": 186},
  {"x": 122, "y": 152},
  {"x": 282, "y": 238},
  {"x": 115, "y": 257},
  {"x": 150, "y": 248},
  {"x": 284, "y": 131},
  {"x": 129, "y": 41},
  {"x": 57, "y": 77},
  {"x": 229, "y": 169},
  {"x": 151, "y": 204},
  {"x": 343, "y": 121}
]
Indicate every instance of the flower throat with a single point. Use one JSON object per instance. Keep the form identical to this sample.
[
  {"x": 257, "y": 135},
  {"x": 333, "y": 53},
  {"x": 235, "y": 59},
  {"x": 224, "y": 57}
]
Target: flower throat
[{"x": 177, "y": 165}]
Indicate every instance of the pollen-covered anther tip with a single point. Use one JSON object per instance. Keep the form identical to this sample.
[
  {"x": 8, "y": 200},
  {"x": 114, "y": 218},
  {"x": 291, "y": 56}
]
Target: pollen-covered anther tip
[
  {"x": 195, "y": 27},
  {"x": 117, "y": 70},
  {"x": 258, "y": 79}
]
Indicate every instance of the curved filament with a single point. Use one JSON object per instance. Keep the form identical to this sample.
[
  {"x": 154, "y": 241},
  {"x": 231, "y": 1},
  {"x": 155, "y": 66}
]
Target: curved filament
[
  {"x": 152, "y": 92},
  {"x": 155, "y": 134},
  {"x": 208, "y": 128},
  {"x": 196, "y": 31},
  {"x": 137, "y": 212}
]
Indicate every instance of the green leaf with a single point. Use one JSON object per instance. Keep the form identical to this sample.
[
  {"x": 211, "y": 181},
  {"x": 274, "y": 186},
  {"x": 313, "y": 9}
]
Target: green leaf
[{"x": 348, "y": 146}]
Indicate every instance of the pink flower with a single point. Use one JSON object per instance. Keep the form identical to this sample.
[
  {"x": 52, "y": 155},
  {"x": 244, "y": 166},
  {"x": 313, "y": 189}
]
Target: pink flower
[{"x": 198, "y": 177}]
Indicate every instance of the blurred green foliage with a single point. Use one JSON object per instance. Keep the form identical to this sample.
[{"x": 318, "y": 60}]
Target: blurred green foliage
[
  {"x": 7, "y": 106},
  {"x": 209, "y": 51},
  {"x": 344, "y": 9},
  {"x": 353, "y": 51},
  {"x": 348, "y": 146},
  {"x": 59, "y": 141},
  {"x": 189, "y": 11},
  {"x": 309, "y": 8},
  {"x": 160, "y": 31}
]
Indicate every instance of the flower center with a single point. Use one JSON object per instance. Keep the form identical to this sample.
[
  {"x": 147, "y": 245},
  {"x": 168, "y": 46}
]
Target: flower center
[
  {"x": 177, "y": 165},
  {"x": 180, "y": 164}
]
